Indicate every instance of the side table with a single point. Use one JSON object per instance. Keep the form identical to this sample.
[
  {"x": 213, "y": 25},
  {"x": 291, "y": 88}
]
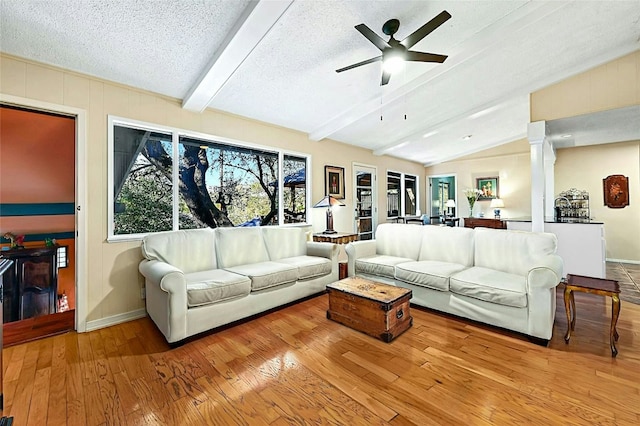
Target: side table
[
  {"x": 338, "y": 238},
  {"x": 591, "y": 285}
]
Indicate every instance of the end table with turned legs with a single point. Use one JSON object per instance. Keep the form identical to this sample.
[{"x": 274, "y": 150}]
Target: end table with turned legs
[{"x": 592, "y": 285}]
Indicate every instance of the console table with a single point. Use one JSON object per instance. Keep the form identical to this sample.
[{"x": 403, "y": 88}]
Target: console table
[{"x": 474, "y": 222}]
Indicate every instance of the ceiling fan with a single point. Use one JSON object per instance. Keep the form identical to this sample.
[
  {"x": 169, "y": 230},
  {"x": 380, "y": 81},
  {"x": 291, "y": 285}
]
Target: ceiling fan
[{"x": 395, "y": 52}]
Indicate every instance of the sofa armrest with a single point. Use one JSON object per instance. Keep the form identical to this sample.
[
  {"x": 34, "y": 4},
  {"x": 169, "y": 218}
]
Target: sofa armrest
[
  {"x": 166, "y": 290},
  {"x": 318, "y": 249},
  {"x": 358, "y": 250},
  {"x": 546, "y": 274}
]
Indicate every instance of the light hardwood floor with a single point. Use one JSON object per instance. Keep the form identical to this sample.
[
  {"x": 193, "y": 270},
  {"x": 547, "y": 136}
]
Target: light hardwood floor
[{"x": 294, "y": 367}]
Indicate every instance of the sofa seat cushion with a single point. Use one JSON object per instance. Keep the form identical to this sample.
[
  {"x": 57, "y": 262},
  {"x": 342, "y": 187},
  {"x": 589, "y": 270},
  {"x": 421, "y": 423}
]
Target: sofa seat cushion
[
  {"x": 308, "y": 266},
  {"x": 490, "y": 285},
  {"x": 382, "y": 265},
  {"x": 428, "y": 273},
  {"x": 215, "y": 285},
  {"x": 267, "y": 274}
]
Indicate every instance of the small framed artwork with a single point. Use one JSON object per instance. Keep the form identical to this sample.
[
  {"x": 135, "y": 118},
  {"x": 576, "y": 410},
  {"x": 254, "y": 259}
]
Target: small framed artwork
[
  {"x": 616, "y": 191},
  {"x": 489, "y": 187},
  {"x": 334, "y": 181}
]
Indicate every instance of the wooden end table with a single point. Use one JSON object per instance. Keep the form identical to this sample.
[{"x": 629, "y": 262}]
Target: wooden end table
[
  {"x": 592, "y": 285},
  {"x": 337, "y": 238}
]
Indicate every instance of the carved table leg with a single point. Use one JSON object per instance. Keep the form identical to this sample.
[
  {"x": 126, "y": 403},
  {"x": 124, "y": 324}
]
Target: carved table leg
[
  {"x": 567, "y": 306},
  {"x": 615, "y": 308}
]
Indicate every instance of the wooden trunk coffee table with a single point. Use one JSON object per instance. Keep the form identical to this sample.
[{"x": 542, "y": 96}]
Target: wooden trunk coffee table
[
  {"x": 599, "y": 286},
  {"x": 376, "y": 309}
]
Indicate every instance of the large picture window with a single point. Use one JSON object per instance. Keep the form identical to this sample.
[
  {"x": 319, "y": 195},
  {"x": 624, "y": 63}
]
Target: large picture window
[
  {"x": 141, "y": 189},
  {"x": 217, "y": 183}
]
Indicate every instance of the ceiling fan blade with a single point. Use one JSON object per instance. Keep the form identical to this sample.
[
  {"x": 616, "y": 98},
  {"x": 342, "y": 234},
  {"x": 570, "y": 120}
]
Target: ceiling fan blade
[
  {"x": 368, "y": 61},
  {"x": 385, "y": 78},
  {"x": 373, "y": 37},
  {"x": 425, "y": 30},
  {"x": 425, "y": 57}
]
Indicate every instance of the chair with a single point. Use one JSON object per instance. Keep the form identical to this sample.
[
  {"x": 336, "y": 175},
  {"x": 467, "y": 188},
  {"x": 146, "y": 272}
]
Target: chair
[
  {"x": 414, "y": 219},
  {"x": 435, "y": 220},
  {"x": 452, "y": 221}
]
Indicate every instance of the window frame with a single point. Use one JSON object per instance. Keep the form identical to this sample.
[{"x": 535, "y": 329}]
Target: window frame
[
  {"x": 402, "y": 189},
  {"x": 395, "y": 176},
  {"x": 59, "y": 251},
  {"x": 176, "y": 133}
]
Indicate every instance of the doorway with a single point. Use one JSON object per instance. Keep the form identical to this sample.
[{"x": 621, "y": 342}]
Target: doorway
[
  {"x": 38, "y": 193},
  {"x": 442, "y": 189},
  {"x": 366, "y": 212}
]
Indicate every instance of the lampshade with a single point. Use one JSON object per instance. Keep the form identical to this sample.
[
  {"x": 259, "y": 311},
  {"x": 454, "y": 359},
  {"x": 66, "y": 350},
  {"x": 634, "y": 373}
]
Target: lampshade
[
  {"x": 451, "y": 203},
  {"x": 497, "y": 203},
  {"x": 328, "y": 201}
]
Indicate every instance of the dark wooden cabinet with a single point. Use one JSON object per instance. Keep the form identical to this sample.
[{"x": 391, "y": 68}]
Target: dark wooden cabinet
[
  {"x": 31, "y": 283},
  {"x": 473, "y": 222}
]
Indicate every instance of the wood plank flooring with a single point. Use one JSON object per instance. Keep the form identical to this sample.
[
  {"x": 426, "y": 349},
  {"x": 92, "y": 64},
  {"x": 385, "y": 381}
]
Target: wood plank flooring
[
  {"x": 295, "y": 367},
  {"x": 37, "y": 327}
]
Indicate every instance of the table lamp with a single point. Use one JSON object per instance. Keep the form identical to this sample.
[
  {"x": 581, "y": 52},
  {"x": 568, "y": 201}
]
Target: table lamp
[
  {"x": 451, "y": 204},
  {"x": 329, "y": 202},
  {"x": 496, "y": 205}
]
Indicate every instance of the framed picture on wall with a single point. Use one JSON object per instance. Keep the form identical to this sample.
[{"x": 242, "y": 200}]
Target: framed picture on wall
[
  {"x": 334, "y": 181},
  {"x": 489, "y": 188},
  {"x": 616, "y": 191}
]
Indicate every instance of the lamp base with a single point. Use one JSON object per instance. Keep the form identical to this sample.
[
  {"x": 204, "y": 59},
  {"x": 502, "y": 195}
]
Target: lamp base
[
  {"x": 329, "y": 231},
  {"x": 496, "y": 213}
]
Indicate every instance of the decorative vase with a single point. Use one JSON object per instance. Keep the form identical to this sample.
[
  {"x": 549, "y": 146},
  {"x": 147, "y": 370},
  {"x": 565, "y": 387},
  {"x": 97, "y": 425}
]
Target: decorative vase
[{"x": 472, "y": 202}]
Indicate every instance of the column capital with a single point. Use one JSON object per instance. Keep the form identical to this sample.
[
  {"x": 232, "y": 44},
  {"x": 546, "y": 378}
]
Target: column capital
[{"x": 537, "y": 132}]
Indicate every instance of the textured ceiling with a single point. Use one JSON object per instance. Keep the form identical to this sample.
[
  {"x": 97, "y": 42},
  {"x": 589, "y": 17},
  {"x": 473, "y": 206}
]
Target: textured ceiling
[{"x": 499, "y": 52}]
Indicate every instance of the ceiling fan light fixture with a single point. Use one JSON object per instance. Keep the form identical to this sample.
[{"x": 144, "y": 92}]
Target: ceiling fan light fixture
[
  {"x": 467, "y": 137},
  {"x": 393, "y": 64}
]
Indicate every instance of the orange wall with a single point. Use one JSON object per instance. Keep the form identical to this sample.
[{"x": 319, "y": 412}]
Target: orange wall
[{"x": 37, "y": 157}]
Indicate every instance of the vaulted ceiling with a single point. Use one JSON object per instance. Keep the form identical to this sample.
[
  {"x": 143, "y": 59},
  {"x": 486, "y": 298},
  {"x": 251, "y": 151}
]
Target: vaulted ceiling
[{"x": 275, "y": 61}]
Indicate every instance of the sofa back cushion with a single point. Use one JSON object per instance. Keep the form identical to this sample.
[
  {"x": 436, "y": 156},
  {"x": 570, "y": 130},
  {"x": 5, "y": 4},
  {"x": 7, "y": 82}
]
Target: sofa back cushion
[
  {"x": 447, "y": 244},
  {"x": 284, "y": 242},
  {"x": 240, "y": 246},
  {"x": 514, "y": 252},
  {"x": 189, "y": 250},
  {"x": 399, "y": 240}
]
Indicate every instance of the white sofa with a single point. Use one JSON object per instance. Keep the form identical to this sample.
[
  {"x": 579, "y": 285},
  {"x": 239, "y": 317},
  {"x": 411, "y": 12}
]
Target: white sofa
[
  {"x": 200, "y": 279},
  {"x": 499, "y": 277}
]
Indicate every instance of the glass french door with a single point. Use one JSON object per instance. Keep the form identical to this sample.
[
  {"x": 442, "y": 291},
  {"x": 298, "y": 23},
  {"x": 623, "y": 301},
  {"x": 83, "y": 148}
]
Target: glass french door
[{"x": 365, "y": 201}]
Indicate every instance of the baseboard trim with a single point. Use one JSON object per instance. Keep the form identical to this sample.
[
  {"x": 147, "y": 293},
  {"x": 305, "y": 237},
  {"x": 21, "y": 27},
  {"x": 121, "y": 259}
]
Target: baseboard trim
[
  {"x": 635, "y": 262},
  {"x": 116, "y": 319}
]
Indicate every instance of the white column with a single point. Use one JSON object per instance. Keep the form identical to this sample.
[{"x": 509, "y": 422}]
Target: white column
[
  {"x": 536, "y": 134},
  {"x": 549, "y": 178}
]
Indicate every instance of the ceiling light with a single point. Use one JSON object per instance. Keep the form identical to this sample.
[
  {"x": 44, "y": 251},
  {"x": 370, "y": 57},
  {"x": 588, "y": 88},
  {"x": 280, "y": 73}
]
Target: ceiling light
[
  {"x": 466, "y": 138},
  {"x": 566, "y": 136},
  {"x": 426, "y": 135},
  {"x": 393, "y": 64}
]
